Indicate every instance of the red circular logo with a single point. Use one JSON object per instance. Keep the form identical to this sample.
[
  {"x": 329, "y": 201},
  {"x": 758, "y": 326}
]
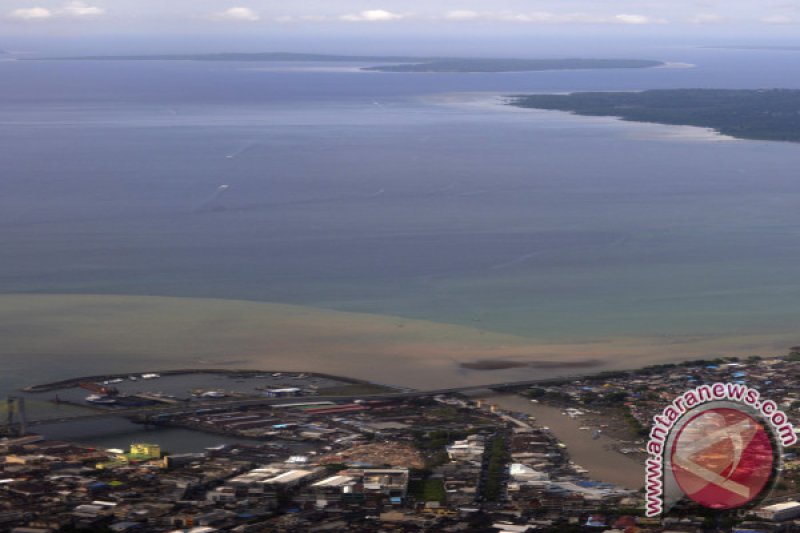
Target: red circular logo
[{"x": 722, "y": 458}]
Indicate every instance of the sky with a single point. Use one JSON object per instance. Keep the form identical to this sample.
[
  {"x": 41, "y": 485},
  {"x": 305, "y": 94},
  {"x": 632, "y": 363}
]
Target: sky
[{"x": 247, "y": 24}]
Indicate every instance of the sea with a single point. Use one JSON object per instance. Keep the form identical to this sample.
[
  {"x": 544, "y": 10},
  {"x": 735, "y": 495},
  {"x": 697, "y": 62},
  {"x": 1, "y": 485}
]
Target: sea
[{"x": 413, "y": 195}]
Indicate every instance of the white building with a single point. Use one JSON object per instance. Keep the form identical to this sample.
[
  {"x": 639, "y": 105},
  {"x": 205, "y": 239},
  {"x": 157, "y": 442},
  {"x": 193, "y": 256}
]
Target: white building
[
  {"x": 290, "y": 478},
  {"x": 221, "y": 495},
  {"x": 470, "y": 449},
  {"x": 258, "y": 476},
  {"x": 779, "y": 512},
  {"x": 524, "y": 473}
]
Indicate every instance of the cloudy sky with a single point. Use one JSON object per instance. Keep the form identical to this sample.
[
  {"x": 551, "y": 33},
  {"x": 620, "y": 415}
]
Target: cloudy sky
[{"x": 49, "y": 19}]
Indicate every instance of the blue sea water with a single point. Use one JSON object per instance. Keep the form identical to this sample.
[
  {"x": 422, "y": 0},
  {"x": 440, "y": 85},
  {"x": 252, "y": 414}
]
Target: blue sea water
[{"x": 417, "y": 195}]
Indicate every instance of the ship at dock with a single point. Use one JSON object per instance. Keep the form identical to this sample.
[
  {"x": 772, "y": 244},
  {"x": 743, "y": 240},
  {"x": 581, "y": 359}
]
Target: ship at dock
[{"x": 100, "y": 399}]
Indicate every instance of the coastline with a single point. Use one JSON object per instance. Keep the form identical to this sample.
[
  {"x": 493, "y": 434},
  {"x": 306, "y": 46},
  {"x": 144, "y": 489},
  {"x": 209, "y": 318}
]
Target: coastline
[
  {"x": 640, "y": 130},
  {"x": 713, "y": 109}
]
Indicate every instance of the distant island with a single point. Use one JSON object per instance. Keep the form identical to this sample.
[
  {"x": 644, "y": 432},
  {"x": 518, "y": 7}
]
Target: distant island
[
  {"x": 514, "y": 65},
  {"x": 391, "y": 63},
  {"x": 772, "y": 114}
]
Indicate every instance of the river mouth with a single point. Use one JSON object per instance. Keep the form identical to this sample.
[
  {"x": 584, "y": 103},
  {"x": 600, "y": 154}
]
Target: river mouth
[{"x": 597, "y": 455}]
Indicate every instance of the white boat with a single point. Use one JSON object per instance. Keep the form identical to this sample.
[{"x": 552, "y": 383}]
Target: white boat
[
  {"x": 102, "y": 400},
  {"x": 150, "y": 376}
]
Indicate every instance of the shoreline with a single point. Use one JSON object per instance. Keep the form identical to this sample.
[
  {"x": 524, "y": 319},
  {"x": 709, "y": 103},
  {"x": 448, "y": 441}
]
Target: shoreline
[
  {"x": 715, "y": 122},
  {"x": 646, "y": 130}
]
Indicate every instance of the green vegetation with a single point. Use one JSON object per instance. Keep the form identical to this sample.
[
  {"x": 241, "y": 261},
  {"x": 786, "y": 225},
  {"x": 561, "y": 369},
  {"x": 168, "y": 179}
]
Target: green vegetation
[
  {"x": 447, "y": 412},
  {"x": 747, "y": 114},
  {"x": 433, "y": 443},
  {"x": 495, "y": 471},
  {"x": 437, "y": 440},
  {"x": 427, "y": 490},
  {"x": 552, "y": 394},
  {"x": 634, "y": 426},
  {"x": 536, "y": 393},
  {"x": 616, "y": 397}
]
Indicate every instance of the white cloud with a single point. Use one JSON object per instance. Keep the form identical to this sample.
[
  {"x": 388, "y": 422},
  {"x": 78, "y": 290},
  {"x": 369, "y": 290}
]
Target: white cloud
[
  {"x": 778, "y": 19},
  {"x": 538, "y": 16},
  {"x": 82, "y": 9},
  {"x": 559, "y": 18},
  {"x": 462, "y": 14},
  {"x": 244, "y": 14},
  {"x": 290, "y": 19},
  {"x": 510, "y": 16},
  {"x": 626, "y": 18},
  {"x": 550, "y": 17},
  {"x": 372, "y": 15},
  {"x": 72, "y": 9},
  {"x": 31, "y": 13},
  {"x": 706, "y": 18}
]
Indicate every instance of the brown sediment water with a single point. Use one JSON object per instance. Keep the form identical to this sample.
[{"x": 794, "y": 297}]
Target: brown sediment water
[
  {"x": 595, "y": 455},
  {"x": 90, "y": 334},
  {"x": 500, "y": 364}
]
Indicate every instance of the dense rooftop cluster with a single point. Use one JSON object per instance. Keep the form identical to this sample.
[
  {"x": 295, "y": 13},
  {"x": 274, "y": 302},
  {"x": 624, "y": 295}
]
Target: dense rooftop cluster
[{"x": 444, "y": 464}]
